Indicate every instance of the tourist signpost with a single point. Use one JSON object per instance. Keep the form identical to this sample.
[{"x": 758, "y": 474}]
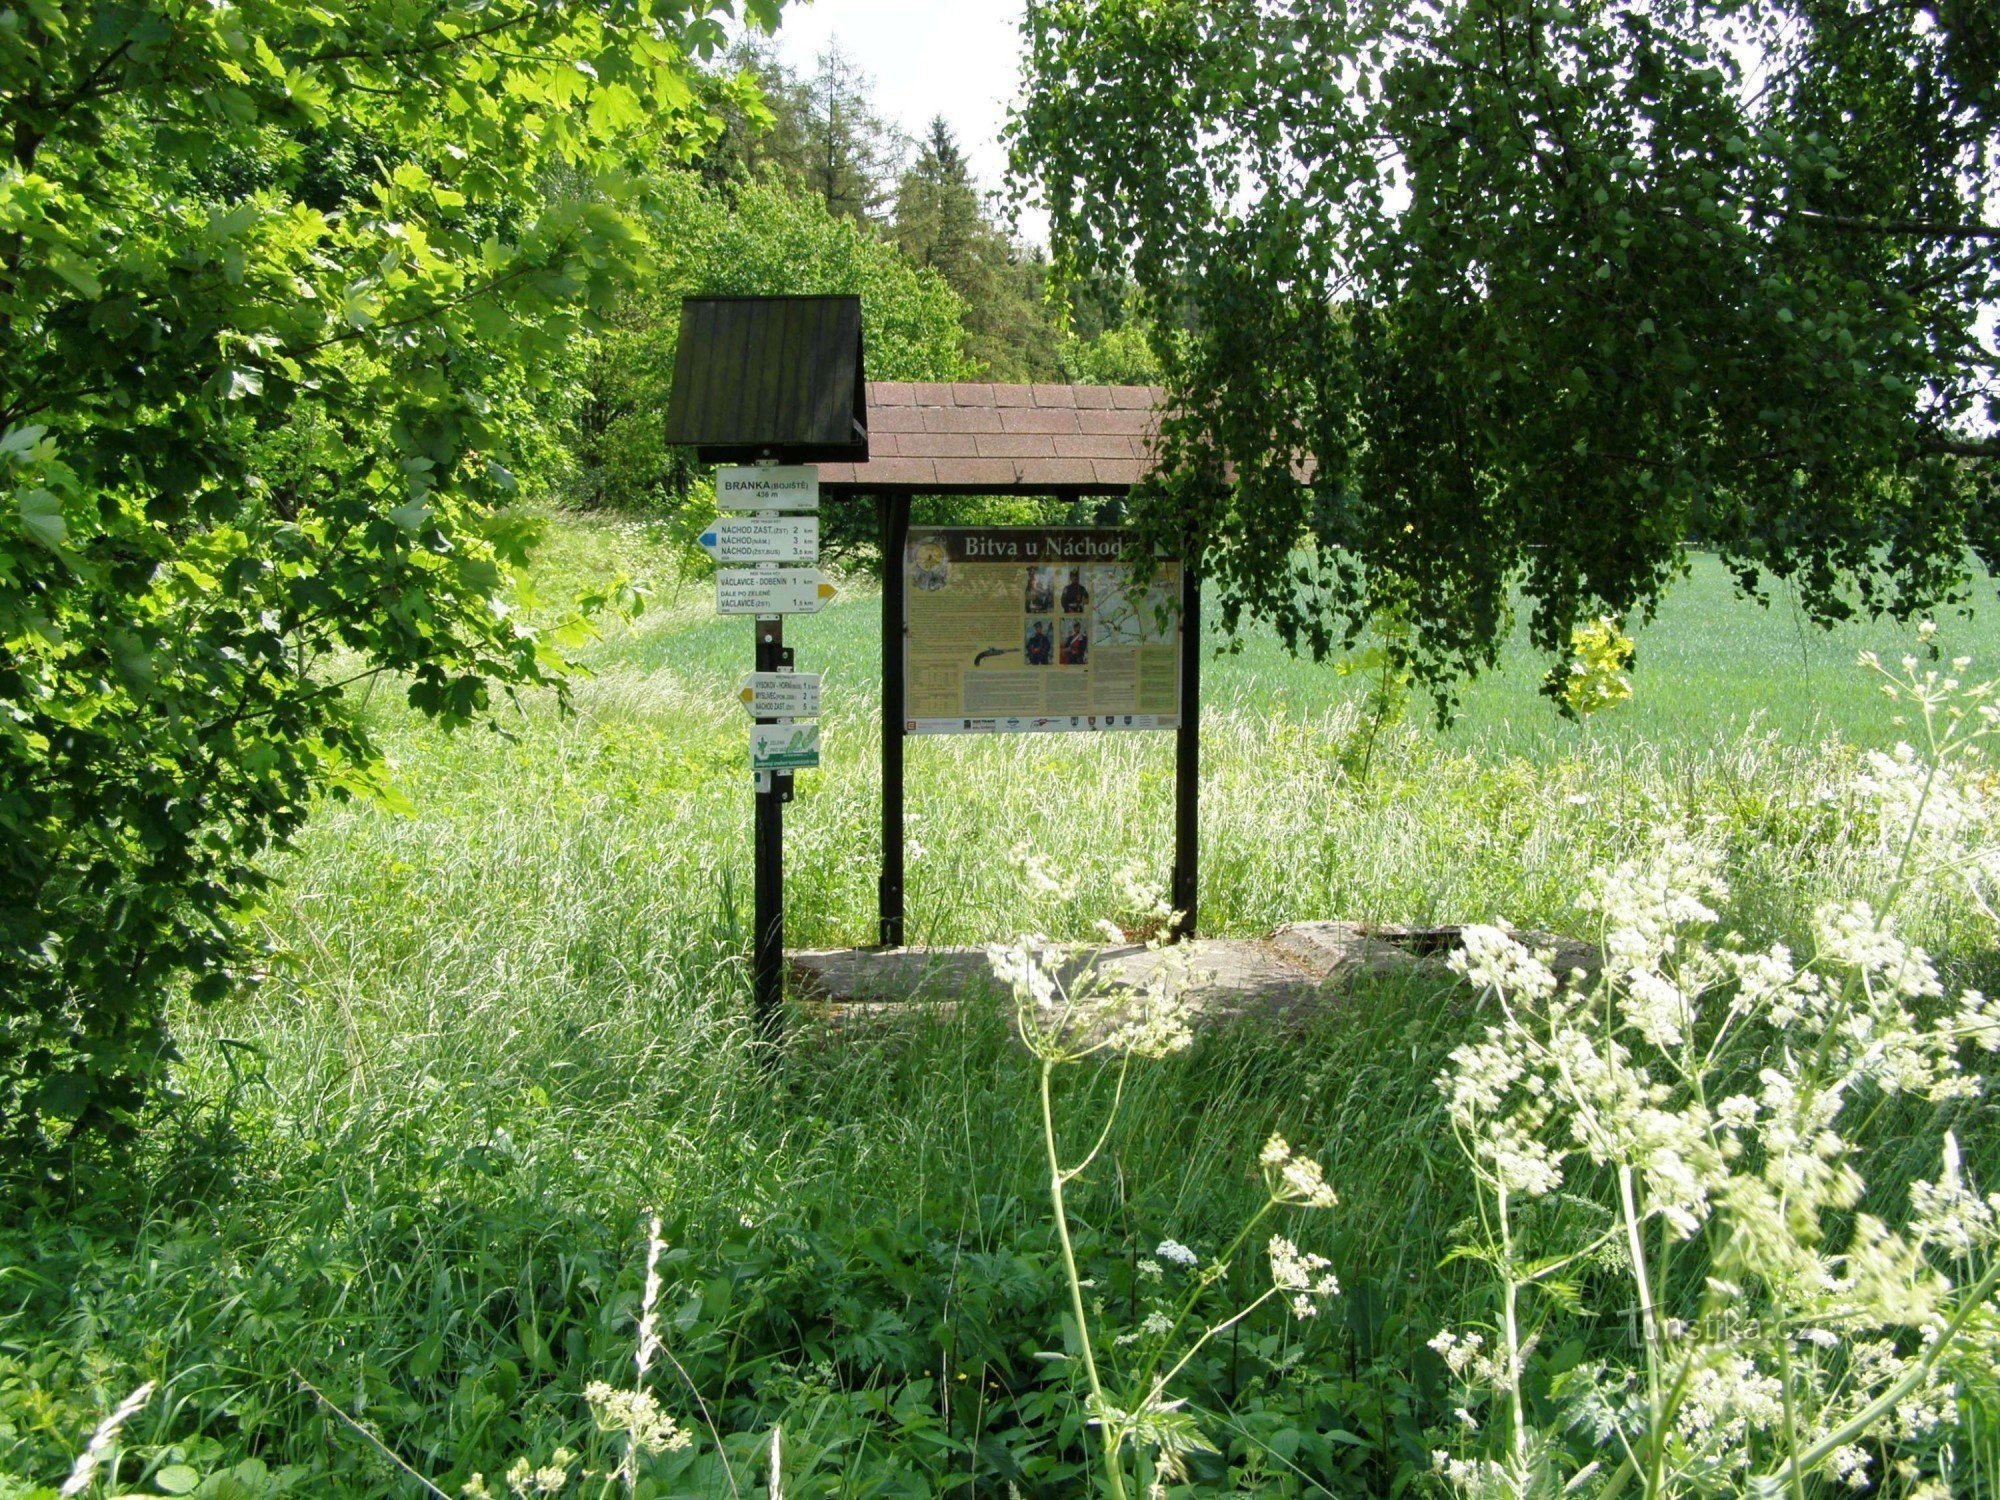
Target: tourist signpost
[
  {"x": 782, "y": 740},
  {"x": 784, "y": 747},
  {"x": 768, "y": 487},
  {"x": 768, "y": 388}
]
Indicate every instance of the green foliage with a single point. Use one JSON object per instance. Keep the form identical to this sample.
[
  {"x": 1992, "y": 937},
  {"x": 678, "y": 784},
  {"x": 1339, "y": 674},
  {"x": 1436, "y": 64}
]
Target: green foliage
[
  {"x": 1381, "y": 662},
  {"x": 412, "y": 1167},
  {"x": 822, "y": 139},
  {"x": 1506, "y": 292},
  {"x": 755, "y": 239},
  {"x": 1117, "y": 356},
  {"x": 277, "y": 287},
  {"x": 1594, "y": 677},
  {"x": 819, "y": 134},
  {"x": 941, "y": 222}
]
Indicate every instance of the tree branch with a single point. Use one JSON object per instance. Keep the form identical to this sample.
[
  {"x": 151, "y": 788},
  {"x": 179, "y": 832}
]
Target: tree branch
[
  {"x": 422, "y": 49},
  {"x": 1962, "y": 447},
  {"x": 1918, "y": 228}
]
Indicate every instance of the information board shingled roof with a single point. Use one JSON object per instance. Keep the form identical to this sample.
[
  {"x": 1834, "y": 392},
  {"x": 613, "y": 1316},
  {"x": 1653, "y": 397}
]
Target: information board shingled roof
[{"x": 973, "y": 438}]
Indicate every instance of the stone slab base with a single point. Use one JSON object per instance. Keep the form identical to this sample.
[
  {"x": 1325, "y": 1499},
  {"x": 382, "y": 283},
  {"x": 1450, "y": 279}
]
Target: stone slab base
[{"x": 1298, "y": 966}]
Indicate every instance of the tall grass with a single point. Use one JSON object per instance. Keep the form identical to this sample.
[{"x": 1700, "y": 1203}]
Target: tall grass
[{"x": 408, "y": 1173}]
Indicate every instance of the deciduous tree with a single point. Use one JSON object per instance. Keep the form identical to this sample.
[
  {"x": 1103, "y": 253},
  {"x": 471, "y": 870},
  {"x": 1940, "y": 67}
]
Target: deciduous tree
[
  {"x": 278, "y": 285},
  {"x": 1492, "y": 293}
]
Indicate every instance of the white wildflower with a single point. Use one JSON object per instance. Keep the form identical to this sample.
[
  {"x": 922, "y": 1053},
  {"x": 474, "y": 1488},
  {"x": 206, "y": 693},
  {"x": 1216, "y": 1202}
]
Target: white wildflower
[
  {"x": 1645, "y": 902},
  {"x": 1946, "y": 1213},
  {"x": 1520, "y": 1163},
  {"x": 1738, "y": 1112},
  {"x": 1490, "y": 958},
  {"x": 1480, "y": 1077},
  {"x": 1176, "y": 1252},
  {"x": 1655, "y": 1008},
  {"x": 1303, "y": 1274},
  {"x": 637, "y": 1415},
  {"x": 1473, "y": 1477},
  {"x": 1849, "y": 1465},
  {"x": 1457, "y": 1351},
  {"x": 1042, "y": 875},
  {"x": 1727, "y": 1397},
  {"x": 1852, "y": 934},
  {"x": 1978, "y": 1020},
  {"x": 1299, "y": 1180}
]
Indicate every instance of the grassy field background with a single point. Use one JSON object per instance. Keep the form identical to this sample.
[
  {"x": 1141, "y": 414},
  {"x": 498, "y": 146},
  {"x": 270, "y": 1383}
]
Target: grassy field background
[
  {"x": 654, "y": 760},
  {"x": 402, "y": 1186}
]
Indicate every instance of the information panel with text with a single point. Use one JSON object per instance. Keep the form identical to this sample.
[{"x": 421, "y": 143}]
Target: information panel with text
[{"x": 1020, "y": 629}]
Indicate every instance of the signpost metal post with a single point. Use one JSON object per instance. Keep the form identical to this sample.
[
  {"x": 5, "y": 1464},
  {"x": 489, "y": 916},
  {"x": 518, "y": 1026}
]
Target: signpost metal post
[
  {"x": 894, "y": 514},
  {"x": 1186, "y": 886},
  {"x": 774, "y": 790}
]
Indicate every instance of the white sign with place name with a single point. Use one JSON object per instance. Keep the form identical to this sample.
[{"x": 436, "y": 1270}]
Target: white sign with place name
[
  {"x": 767, "y": 487},
  {"x": 755, "y": 539},
  {"x": 771, "y": 591},
  {"x": 780, "y": 695},
  {"x": 784, "y": 747}
]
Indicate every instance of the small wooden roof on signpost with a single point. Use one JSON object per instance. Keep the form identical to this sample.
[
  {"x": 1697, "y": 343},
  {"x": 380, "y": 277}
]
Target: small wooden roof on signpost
[
  {"x": 769, "y": 377},
  {"x": 970, "y": 438}
]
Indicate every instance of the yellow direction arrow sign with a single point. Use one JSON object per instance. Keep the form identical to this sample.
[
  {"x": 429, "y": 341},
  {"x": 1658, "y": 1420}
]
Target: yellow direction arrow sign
[
  {"x": 781, "y": 695},
  {"x": 771, "y": 591}
]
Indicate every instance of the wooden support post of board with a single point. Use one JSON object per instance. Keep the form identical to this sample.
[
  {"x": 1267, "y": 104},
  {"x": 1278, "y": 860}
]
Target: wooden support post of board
[
  {"x": 894, "y": 514},
  {"x": 767, "y": 958},
  {"x": 1187, "y": 758}
]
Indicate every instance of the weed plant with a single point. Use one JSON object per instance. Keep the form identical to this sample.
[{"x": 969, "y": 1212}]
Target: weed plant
[{"x": 396, "y": 1207}]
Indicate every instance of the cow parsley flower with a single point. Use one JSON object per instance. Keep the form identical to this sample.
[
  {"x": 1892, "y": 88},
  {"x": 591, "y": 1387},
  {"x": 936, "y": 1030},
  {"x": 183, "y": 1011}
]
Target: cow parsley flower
[
  {"x": 1490, "y": 958},
  {"x": 1303, "y": 1275},
  {"x": 637, "y": 1415},
  {"x": 1947, "y": 1214},
  {"x": 1655, "y": 1008},
  {"x": 1294, "y": 1179}
]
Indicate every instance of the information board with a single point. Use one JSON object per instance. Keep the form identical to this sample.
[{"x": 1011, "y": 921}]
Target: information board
[{"x": 1015, "y": 630}]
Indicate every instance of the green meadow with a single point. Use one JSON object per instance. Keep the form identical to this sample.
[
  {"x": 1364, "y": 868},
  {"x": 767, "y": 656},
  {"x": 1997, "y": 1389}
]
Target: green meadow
[{"x": 391, "y": 1224}]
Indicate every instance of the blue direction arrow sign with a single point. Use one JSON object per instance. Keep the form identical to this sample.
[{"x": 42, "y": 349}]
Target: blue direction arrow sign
[{"x": 762, "y": 539}]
